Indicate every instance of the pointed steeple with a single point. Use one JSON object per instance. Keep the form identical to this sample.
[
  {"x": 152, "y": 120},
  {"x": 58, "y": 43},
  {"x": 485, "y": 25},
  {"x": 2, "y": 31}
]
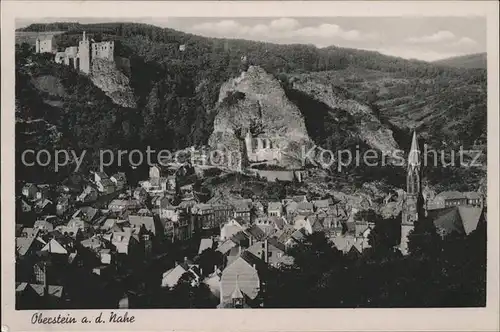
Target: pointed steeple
[
  {"x": 237, "y": 294},
  {"x": 414, "y": 155}
]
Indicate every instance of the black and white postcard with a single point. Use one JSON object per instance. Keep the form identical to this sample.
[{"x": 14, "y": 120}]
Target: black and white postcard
[{"x": 167, "y": 164}]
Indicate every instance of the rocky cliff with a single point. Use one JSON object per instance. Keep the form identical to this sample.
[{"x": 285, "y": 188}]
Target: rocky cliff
[
  {"x": 107, "y": 77},
  {"x": 369, "y": 128},
  {"x": 256, "y": 102}
]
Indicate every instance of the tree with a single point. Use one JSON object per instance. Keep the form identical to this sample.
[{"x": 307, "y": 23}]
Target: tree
[
  {"x": 385, "y": 236},
  {"x": 423, "y": 240},
  {"x": 208, "y": 259},
  {"x": 188, "y": 296}
]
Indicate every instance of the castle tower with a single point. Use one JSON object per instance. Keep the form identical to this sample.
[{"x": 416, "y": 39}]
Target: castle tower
[
  {"x": 84, "y": 54},
  {"x": 412, "y": 196},
  {"x": 248, "y": 144}
]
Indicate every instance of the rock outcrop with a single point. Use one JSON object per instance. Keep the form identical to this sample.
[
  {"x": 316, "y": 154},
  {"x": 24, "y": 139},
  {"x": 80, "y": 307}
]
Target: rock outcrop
[
  {"x": 370, "y": 130},
  {"x": 106, "y": 76},
  {"x": 256, "y": 102}
]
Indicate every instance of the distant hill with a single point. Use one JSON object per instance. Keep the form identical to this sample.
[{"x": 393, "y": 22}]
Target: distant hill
[
  {"x": 477, "y": 60},
  {"x": 176, "y": 91}
]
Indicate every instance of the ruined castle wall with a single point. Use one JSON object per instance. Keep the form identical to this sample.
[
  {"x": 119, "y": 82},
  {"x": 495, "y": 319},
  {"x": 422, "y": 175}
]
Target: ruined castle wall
[{"x": 103, "y": 50}]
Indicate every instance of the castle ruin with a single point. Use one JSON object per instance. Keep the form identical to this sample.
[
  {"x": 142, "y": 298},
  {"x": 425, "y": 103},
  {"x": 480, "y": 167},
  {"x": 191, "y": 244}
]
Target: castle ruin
[
  {"x": 80, "y": 57},
  {"x": 44, "y": 45},
  {"x": 261, "y": 149}
]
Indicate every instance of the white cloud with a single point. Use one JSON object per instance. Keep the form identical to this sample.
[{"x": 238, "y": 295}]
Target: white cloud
[
  {"x": 464, "y": 41},
  {"x": 283, "y": 30},
  {"x": 440, "y": 36},
  {"x": 329, "y": 31},
  {"x": 420, "y": 54},
  {"x": 284, "y": 24}
]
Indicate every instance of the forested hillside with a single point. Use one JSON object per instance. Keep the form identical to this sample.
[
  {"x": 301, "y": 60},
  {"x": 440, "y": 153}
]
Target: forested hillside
[
  {"x": 176, "y": 91},
  {"x": 465, "y": 61}
]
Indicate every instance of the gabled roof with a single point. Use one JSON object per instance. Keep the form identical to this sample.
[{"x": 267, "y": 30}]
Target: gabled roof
[
  {"x": 316, "y": 224},
  {"x": 291, "y": 206},
  {"x": 360, "y": 228},
  {"x": 278, "y": 222},
  {"x": 23, "y": 244},
  {"x": 275, "y": 243},
  {"x": 472, "y": 195},
  {"x": 122, "y": 237},
  {"x": 53, "y": 290},
  {"x": 253, "y": 260},
  {"x": 230, "y": 230},
  {"x": 102, "y": 175},
  {"x": 299, "y": 198},
  {"x": 249, "y": 270},
  {"x": 43, "y": 203},
  {"x": 92, "y": 242},
  {"x": 298, "y": 235},
  {"x": 239, "y": 237},
  {"x": 470, "y": 217},
  {"x": 459, "y": 219},
  {"x": 450, "y": 195},
  {"x": 226, "y": 246},
  {"x": 205, "y": 244},
  {"x": 255, "y": 232},
  {"x": 171, "y": 277},
  {"x": 53, "y": 246},
  {"x": 147, "y": 221},
  {"x": 43, "y": 224},
  {"x": 201, "y": 207},
  {"x": 120, "y": 176},
  {"x": 305, "y": 206},
  {"x": 241, "y": 207},
  {"x": 29, "y": 185},
  {"x": 285, "y": 234},
  {"x": 107, "y": 182},
  {"x": 187, "y": 204},
  {"x": 345, "y": 243},
  {"x": 322, "y": 203},
  {"x": 273, "y": 206},
  {"x": 77, "y": 223}
]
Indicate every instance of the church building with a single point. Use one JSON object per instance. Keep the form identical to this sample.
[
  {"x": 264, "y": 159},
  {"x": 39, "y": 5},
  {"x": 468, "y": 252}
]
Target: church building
[{"x": 413, "y": 196}]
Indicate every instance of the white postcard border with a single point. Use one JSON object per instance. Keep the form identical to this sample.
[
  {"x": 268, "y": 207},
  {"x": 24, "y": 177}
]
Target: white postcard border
[{"x": 464, "y": 319}]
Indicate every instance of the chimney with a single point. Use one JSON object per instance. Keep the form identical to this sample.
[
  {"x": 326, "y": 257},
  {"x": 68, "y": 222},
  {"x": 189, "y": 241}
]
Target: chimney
[
  {"x": 266, "y": 251},
  {"x": 185, "y": 259},
  {"x": 215, "y": 268}
]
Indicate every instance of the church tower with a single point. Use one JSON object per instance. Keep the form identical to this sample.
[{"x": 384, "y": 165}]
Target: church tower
[{"x": 413, "y": 193}]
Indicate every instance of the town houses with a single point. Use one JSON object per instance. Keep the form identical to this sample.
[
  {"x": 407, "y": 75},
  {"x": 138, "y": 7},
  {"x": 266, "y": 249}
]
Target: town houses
[{"x": 106, "y": 225}]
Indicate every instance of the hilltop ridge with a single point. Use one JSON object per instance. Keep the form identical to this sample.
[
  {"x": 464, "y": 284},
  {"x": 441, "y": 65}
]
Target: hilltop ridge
[{"x": 178, "y": 91}]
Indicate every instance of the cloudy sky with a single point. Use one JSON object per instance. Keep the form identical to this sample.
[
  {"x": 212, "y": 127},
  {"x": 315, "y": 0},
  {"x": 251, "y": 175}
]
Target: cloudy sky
[{"x": 424, "y": 38}]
